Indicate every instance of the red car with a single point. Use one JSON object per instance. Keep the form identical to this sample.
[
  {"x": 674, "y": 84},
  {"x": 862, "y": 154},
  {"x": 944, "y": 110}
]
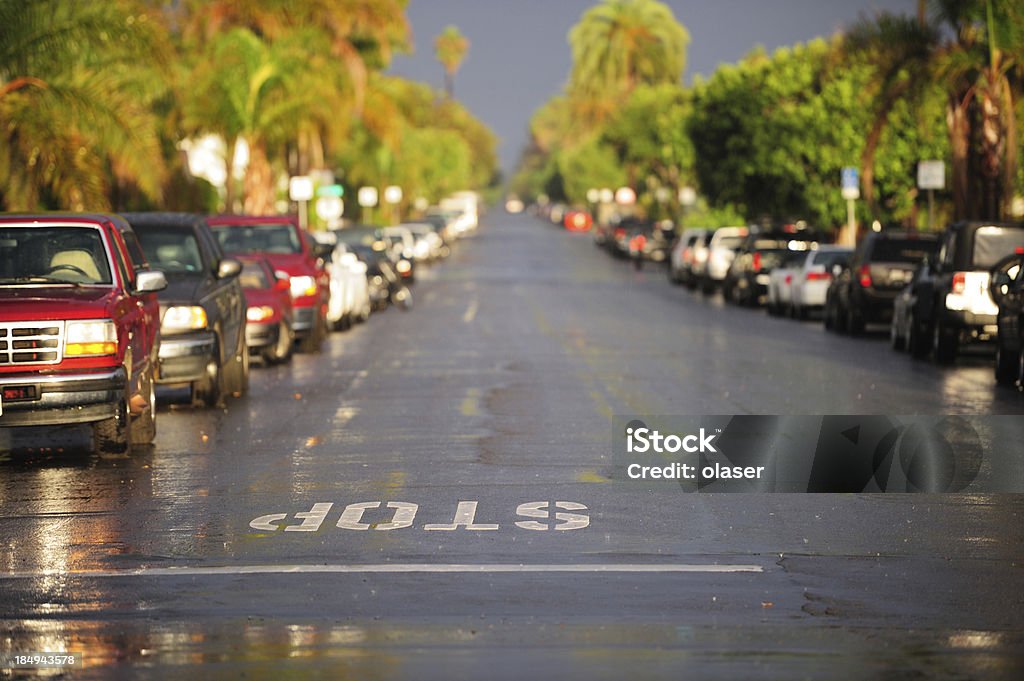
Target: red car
[
  {"x": 269, "y": 314},
  {"x": 79, "y": 327},
  {"x": 291, "y": 251}
]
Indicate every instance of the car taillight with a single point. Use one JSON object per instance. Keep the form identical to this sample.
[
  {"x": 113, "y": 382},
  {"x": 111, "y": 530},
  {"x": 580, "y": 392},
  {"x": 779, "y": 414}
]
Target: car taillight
[
  {"x": 818, "y": 276},
  {"x": 757, "y": 262},
  {"x": 789, "y": 278},
  {"x": 687, "y": 255},
  {"x": 959, "y": 282},
  {"x": 865, "y": 276},
  {"x": 620, "y": 233}
]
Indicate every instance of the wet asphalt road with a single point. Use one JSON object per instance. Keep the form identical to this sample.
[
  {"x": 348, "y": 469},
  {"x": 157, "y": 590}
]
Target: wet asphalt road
[{"x": 498, "y": 388}]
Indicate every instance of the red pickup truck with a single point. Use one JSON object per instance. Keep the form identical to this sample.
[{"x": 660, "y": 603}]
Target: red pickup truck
[{"x": 79, "y": 327}]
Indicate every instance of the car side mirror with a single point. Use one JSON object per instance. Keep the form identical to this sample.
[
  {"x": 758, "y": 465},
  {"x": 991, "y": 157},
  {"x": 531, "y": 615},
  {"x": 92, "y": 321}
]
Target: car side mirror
[
  {"x": 228, "y": 267},
  {"x": 150, "y": 281}
]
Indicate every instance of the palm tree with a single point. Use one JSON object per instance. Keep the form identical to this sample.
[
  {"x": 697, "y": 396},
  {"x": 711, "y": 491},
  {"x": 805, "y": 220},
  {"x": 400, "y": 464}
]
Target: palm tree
[
  {"x": 974, "y": 50},
  {"x": 77, "y": 81},
  {"x": 451, "y": 48},
  {"x": 619, "y": 44},
  {"x": 262, "y": 92}
]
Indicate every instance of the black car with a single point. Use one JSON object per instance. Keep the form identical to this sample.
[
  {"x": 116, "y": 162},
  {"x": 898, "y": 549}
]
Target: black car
[
  {"x": 1007, "y": 290},
  {"x": 882, "y": 265},
  {"x": 202, "y": 310},
  {"x": 746, "y": 282},
  {"x": 385, "y": 284},
  {"x": 954, "y": 305}
]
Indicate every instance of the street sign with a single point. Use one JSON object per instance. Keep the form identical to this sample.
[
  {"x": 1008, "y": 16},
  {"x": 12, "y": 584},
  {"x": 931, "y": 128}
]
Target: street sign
[
  {"x": 367, "y": 197},
  {"x": 625, "y": 196},
  {"x": 330, "y": 190},
  {"x": 330, "y": 207},
  {"x": 931, "y": 175},
  {"x": 850, "y": 178},
  {"x": 300, "y": 188},
  {"x": 393, "y": 194}
]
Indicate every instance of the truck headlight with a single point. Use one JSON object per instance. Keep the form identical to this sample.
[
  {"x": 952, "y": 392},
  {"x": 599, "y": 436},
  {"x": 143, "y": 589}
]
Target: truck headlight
[
  {"x": 91, "y": 338},
  {"x": 303, "y": 285},
  {"x": 259, "y": 313},
  {"x": 184, "y": 318}
]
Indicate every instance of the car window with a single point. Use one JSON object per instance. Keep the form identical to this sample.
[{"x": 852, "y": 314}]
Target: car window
[
  {"x": 830, "y": 258},
  {"x": 270, "y": 238},
  {"x": 902, "y": 250},
  {"x": 69, "y": 254},
  {"x": 992, "y": 244},
  {"x": 171, "y": 250},
  {"x": 253, "y": 276}
]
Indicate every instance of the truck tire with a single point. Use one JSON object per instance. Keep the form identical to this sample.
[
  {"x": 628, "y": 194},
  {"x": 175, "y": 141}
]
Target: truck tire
[
  {"x": 944, "y": 344},
  {"x": 311, "y": 343},
  {"x": 143, "y": 426},
  {"x": 209, "y": 390},
  {"x": 236, "y": 373},
  {"x": 917, "y": 338},
  {"x": 113, "y": 435},
  {"x": 281, "y": 351},
  {"x": 1007, "y": 366}
]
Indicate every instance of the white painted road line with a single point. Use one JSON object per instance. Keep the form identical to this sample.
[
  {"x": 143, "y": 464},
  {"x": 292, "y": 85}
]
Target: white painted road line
[
  {"x": 388, "y": 568},
  {"x": 470, "y": 314}
]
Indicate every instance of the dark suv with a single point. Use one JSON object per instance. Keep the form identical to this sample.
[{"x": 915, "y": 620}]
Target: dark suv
[
  {"x": 202, "y": 310},
  {"x": 954, "y": 306},
  {"x": 746, "y": 282},
  {"x": 1007, "y": 289},
  {"x": 882, "y": 266}
]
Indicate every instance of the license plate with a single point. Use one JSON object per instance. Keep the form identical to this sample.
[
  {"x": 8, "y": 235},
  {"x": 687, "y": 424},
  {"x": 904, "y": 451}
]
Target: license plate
[{"x": 17, "y": 393}]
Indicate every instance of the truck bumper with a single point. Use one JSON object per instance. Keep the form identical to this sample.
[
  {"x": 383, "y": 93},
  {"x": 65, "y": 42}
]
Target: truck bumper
[
  {"x": 183, "y": 359},
  {"x": 259, "y": 335},
  {"x": 63, "y": 398},
  {"x": 305, "y": 318}
]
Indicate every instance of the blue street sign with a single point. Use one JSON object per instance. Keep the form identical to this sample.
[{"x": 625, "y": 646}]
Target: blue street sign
[{"x": 851, "y": 183}]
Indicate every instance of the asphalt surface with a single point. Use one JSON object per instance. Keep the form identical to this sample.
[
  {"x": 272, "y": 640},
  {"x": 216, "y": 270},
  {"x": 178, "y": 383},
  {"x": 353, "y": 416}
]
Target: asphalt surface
[{"x": 498, "y": 387}]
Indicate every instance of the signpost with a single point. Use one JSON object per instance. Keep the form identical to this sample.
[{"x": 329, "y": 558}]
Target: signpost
[
  {"x": 850, "y": 179},
  {"x": 931, "y": 175},
  {"x": 393, "y": 196},
  {"x": 367, "y": 198},
  {"x": 300, "y": 190}
]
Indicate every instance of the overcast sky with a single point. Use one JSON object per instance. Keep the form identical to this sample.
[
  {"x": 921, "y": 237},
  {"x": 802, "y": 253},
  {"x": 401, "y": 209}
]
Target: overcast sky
[{"x": 519, "y": 54}]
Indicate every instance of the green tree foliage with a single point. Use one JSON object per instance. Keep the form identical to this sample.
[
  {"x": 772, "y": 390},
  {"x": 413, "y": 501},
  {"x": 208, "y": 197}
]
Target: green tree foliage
[
  {"x": 77, "y": 83},
  {"x": 771, "y": 135}
]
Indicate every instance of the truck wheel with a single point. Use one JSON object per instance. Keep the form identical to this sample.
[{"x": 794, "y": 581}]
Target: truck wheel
[
  {"x": 895, "y": 339},
  {"x": 281, "y": 351},
  {"x": 1007, "y": 366},
  {"x": 143, "y": 426},
  {"x": 854, "y": 323},
  {"x": 311, "y": 343},
  {"x": 112, "y": 436},
  {"x": 209, "y": 390},
  {"x": 944, "y": 344},
  {"x": 917, "y": 338},
  {"x": 236, "y": 373}
]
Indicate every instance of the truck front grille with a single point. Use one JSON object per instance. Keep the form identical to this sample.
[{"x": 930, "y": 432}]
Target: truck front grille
[{"x": 31, "y": 342}]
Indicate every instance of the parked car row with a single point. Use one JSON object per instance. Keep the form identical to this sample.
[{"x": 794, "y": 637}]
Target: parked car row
[
  {"x": 937, "y": 293},
  {"x": 96, "y": 310}
]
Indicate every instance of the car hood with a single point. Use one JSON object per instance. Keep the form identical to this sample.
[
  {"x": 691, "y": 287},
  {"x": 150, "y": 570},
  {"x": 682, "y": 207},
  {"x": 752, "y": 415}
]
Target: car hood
[
  {"x": 182, "y": 288},
  {"x": 31, "y": 303},
  {"x": 294, "y": 264}
]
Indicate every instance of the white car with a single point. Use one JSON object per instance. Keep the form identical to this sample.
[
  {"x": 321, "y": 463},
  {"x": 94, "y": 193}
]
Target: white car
[
  {"x": 429, "y": 245},
  {"x": 349, "y": 300},
  {"x": 721, "y": 252},
  {"x": 812, "y": 279}
]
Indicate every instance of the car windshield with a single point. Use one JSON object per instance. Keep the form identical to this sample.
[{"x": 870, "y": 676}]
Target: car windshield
[
  {"x": 253, "y": 276},
  {"x": 992, "y": 244},
  {"x": 71, "y": 255},
  {"x": 269, "y": 238},
  {"x": 903, "y": 250},
  {"x": 830, "y": 259},
  {"x": 358, "y": 236},
  {"x": 171, "y": 249}
]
